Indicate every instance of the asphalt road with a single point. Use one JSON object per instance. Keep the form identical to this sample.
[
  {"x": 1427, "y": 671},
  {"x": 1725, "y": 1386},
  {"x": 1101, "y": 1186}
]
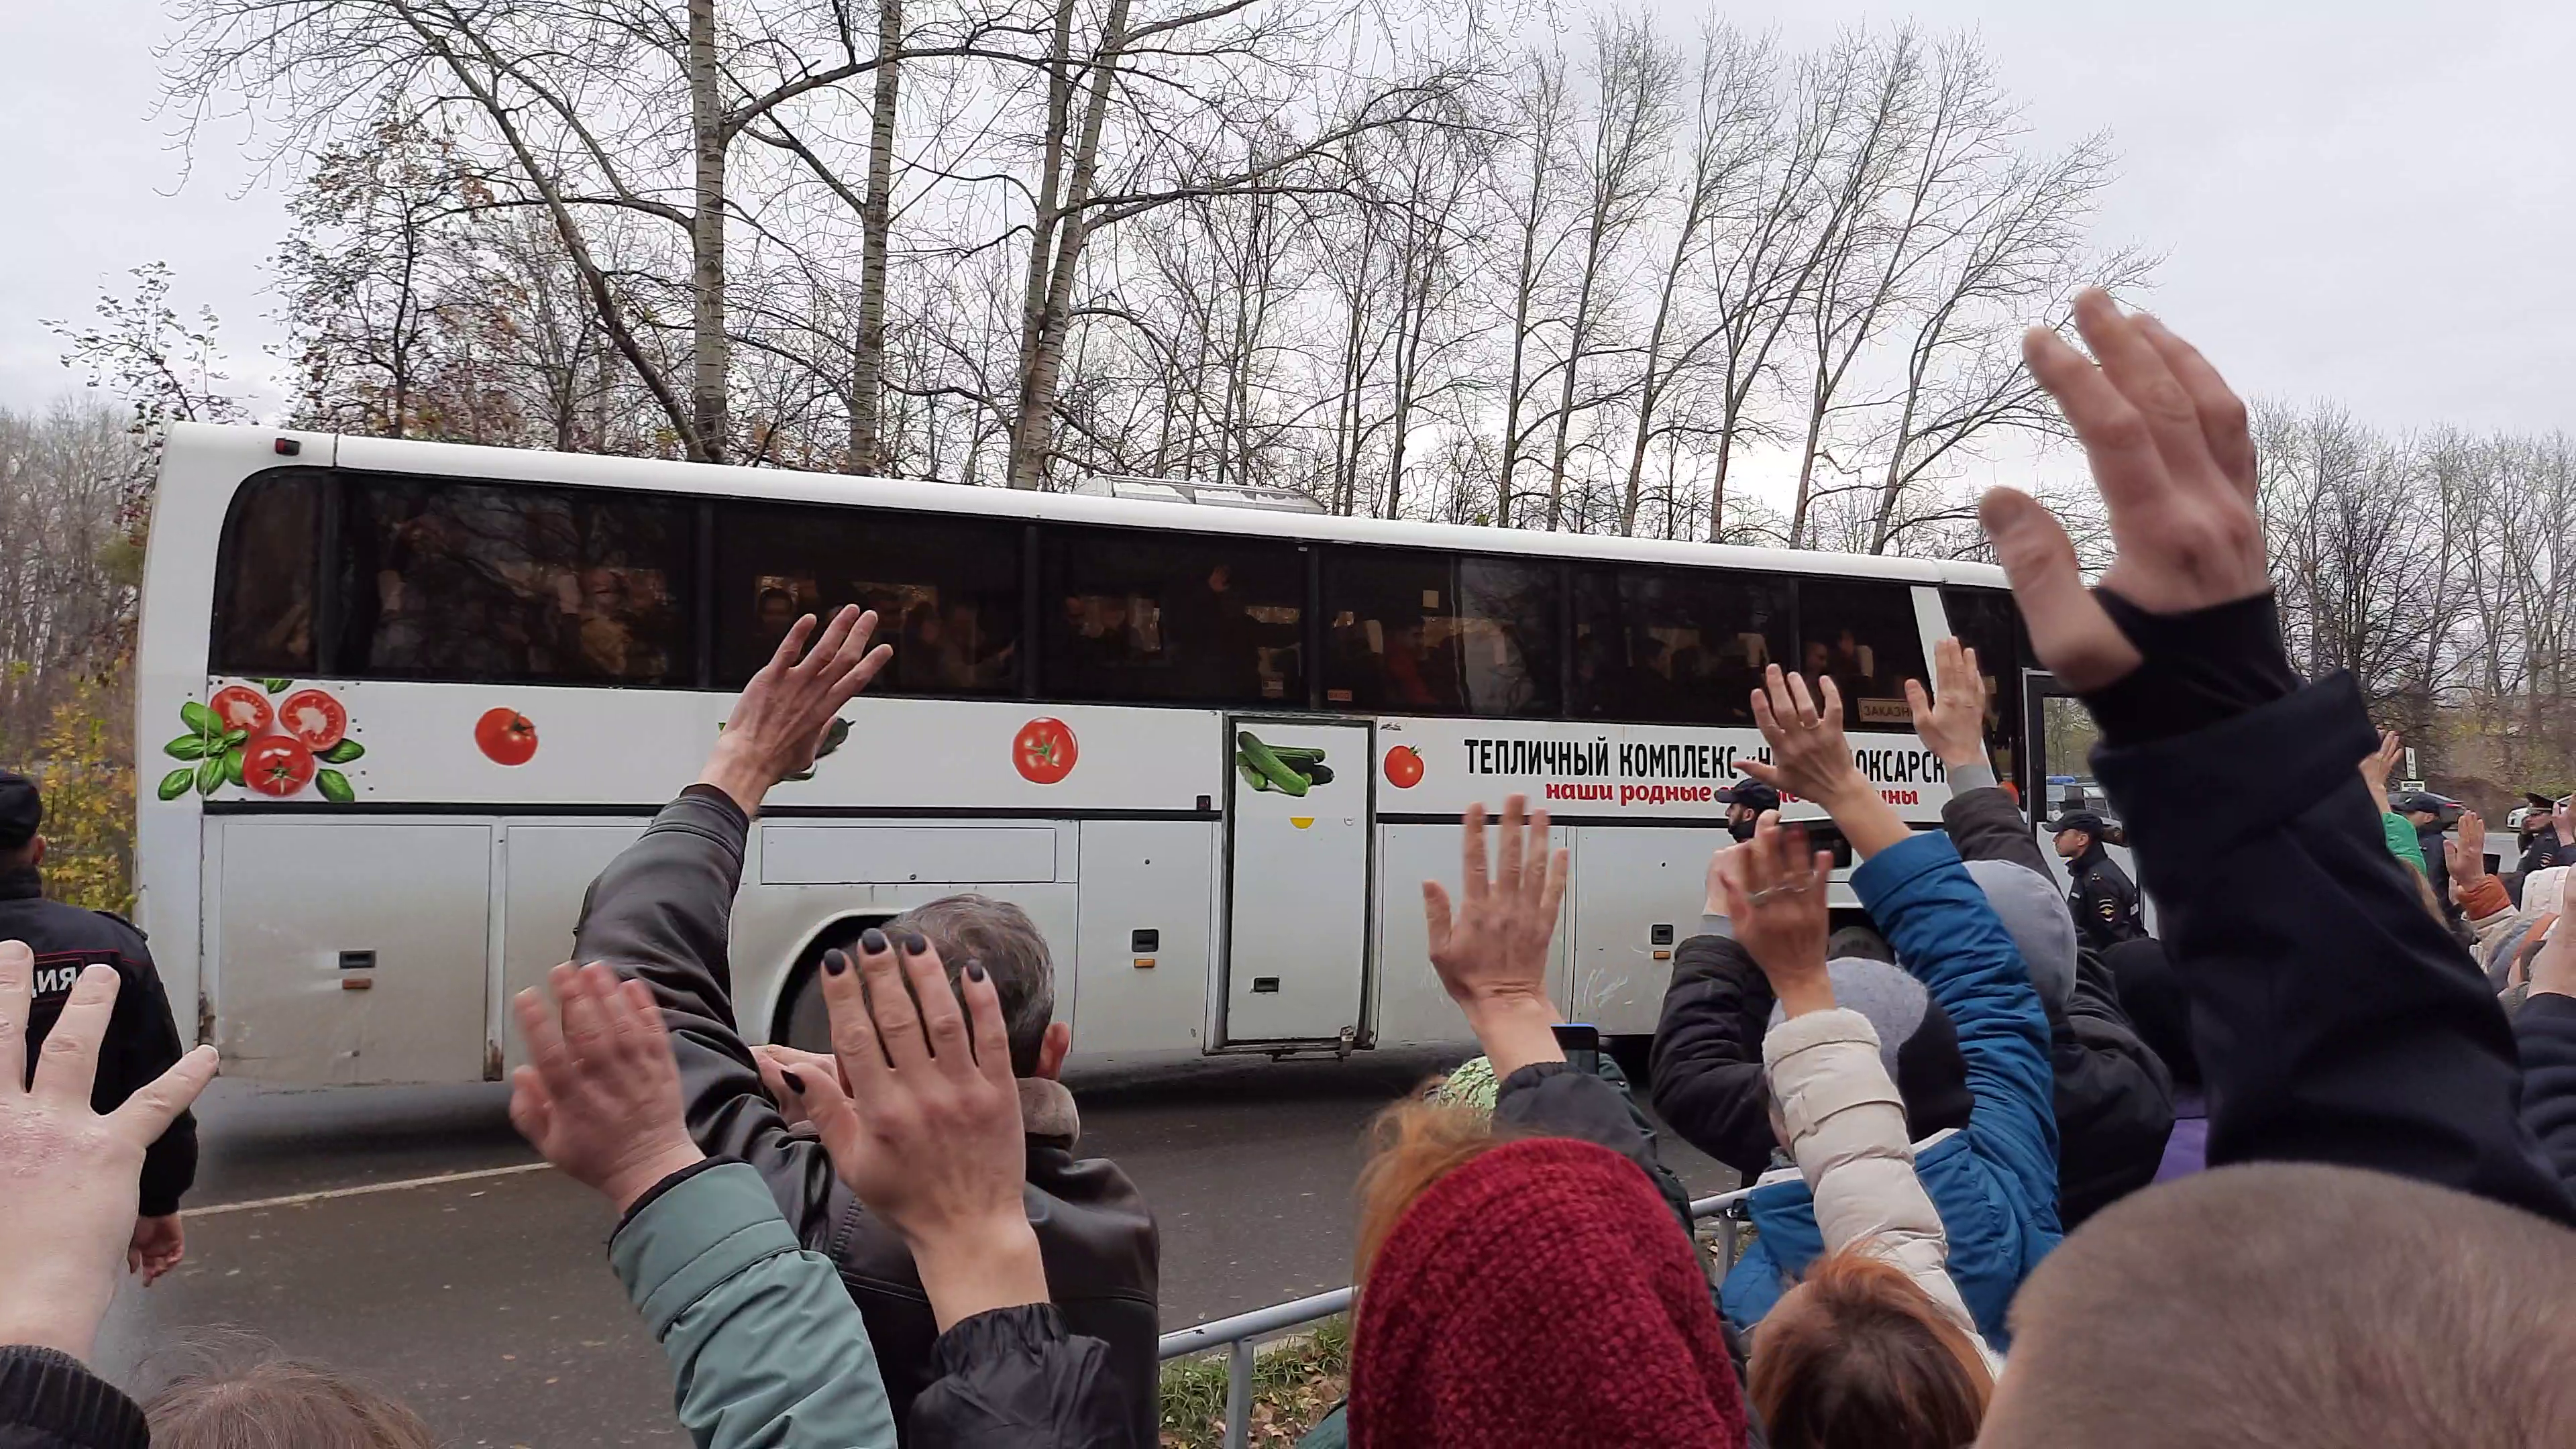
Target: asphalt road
[{"x": 483, "y": 1297}]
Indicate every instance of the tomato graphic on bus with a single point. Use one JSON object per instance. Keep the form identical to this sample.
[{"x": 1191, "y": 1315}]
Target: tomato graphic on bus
[
  {"x": 506, "y": 737},
  {"x": 1044, "y": 751},
  {"x": 1404, "y": 767},
  {"x": 241, "y": 707},
  {"x": 313, "y": 717},
  {"x": 237, "y": 738},
  {"x": 279, "y": 765}
]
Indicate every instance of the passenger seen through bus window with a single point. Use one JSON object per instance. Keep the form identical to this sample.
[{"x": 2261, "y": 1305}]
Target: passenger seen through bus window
[
  {"x": 1175, "y": 618},
  {"x": 1438, "y": 634},
  {"x": 1863, "y": 635}
]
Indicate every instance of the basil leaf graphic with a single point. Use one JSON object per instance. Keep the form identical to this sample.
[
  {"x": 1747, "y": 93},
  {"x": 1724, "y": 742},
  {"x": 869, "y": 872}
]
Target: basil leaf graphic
[
  {"x": 334, "y": 786},
  {"x": 186, "y": 747},
  {"x": 176, "y": 783}
]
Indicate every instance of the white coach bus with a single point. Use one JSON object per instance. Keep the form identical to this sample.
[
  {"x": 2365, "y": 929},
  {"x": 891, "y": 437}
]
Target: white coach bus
[{"x": 400, "y": 702}]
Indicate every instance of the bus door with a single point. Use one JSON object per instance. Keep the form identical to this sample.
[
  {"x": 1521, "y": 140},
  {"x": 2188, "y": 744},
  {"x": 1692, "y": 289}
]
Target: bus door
[
  {"x": 2057, "y": 768},
  {"x": 1297, "y": 879},
  {"x": 2059, "y": 776}
]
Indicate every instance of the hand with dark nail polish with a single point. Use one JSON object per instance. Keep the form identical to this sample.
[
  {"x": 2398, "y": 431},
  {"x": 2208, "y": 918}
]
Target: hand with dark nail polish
[
  {"x": 836, "y": 961},
  {"x": 872, "y": 940}
]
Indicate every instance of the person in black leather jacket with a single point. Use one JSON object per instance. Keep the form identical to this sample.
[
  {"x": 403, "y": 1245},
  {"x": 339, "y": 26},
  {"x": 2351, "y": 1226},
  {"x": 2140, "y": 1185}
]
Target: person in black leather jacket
[{"x": 661, "y": 912}]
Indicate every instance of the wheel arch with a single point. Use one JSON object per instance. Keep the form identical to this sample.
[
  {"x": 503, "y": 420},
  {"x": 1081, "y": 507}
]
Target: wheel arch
[{"x": 836, "y": 929}]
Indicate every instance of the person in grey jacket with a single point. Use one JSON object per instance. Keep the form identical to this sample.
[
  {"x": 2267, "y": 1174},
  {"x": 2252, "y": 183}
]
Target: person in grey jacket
[{"x": 661, "y": 915}]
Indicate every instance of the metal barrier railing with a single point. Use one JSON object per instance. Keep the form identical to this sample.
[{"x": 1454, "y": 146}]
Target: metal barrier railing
[{"x": 1242, "y": 1333}]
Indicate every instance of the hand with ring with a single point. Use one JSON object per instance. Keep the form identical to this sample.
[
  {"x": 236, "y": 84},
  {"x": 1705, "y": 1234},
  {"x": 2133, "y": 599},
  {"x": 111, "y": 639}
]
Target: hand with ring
[{"x": 1769, "y": 886}]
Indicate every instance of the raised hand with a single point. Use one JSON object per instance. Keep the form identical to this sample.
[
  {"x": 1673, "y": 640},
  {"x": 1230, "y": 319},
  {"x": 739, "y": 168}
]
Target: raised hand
[
  {"x": 600, "y": 1094},
  {"x": 1953, "y": 722},
  {"x": 932, "y": 1142},
  {"x": 2553, "y": 971},
  {"x": 1491, "y": 952},
  {"x": 775, "y": 1061},
  {"x": 1811, "y": 759},
  {"x": 2168, "y": 446},
  {"x": 70, "y": 1178},
  {"x": 778, "y": 723},
  {"x": 2379, "y": 764},
  {"x": 2466, "y": 853},
  {"x": 157, "y": 1247},
  {"x": 1774, "y": 891}
]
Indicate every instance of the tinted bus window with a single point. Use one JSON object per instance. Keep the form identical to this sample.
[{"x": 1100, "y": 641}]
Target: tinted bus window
[
  {"x": 504, "y": 583},
  {"x": 946, "y": 591},
  {"x": 1432, "y": 634},
  {"x": 1675, "y": 646},
  {"x": 1172, "y": 618},
  {"x": 1986, "y": 621},
  {"x": 1864, "y": 637},
  {"x": 266, "y": 574}
]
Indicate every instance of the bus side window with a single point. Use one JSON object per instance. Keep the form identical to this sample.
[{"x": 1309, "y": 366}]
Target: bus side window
[
  {"x": 1428, "y": 633},
  {"x": 499, "y": 583},
  {"x": 1674, "y": 646},
  {"x": 1987, "y": 621},
  {"x": 946, "y": 591},
  {"x": 267, "y": 574},
  {"x": 1172, "y": 618},
  {"x": 1863, "y": 635}
]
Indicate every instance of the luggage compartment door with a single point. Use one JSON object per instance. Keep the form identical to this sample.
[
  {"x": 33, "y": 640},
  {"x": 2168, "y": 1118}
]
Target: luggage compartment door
[
  {"x": 352, "y": 952},
  {"x": 1297, "y": 881}
]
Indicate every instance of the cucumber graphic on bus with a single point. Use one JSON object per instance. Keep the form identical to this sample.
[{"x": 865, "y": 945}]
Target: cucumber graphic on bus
[{"x": 1287, "y": 769}]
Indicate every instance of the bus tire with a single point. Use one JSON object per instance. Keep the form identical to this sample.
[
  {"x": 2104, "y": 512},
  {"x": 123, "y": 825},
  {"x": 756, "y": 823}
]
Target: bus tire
[{"x": 803, "y": 1022}]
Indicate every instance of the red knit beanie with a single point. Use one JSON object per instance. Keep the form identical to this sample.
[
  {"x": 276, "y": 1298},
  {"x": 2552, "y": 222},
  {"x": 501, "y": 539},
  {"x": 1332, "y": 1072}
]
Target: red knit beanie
[{"x": 1541, "y": 1295}]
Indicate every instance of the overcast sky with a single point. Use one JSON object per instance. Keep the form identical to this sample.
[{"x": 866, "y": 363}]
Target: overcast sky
[{"x": 2359, "y": 199}]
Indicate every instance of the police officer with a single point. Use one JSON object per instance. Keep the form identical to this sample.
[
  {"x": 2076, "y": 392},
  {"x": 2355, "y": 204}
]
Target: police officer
[
  {"x": 141, "y": 1042},
  {"x": 2104, "y": 900},
  {"x": 1745, "y": 800}
]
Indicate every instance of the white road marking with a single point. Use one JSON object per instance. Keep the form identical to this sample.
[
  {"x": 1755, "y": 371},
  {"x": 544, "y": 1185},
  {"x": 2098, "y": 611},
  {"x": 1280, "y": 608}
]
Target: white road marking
[{"x": 326, "y": 1194}]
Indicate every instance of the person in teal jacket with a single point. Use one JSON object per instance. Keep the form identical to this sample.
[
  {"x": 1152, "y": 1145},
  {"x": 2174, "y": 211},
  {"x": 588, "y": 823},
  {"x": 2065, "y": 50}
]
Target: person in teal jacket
[
  {"x": 1995, "y": 1181},
  {"x": 723, "y": 1285}
]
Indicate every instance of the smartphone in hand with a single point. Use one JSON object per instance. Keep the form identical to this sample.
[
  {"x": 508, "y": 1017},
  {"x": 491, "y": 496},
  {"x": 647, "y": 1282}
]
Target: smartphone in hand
[{"x": 1581, "y": 1044}]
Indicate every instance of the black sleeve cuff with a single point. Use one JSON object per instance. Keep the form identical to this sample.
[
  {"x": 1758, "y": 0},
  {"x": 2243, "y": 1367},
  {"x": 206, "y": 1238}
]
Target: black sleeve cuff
[
  {"x": 665, "y": 1185},
  {"x": 48, "y": 1391},
  {"x": 2199, "y": 668},
  {"x": 718, "y": 798},
  {"x": 1024, "y": 1329}
]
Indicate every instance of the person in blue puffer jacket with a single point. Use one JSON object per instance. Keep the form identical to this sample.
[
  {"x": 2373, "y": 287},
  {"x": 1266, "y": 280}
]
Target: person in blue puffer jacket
[{"x": 1994, "y": 1181}]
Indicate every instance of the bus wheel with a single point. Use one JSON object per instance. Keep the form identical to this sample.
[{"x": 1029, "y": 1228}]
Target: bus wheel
[{"x": 804, "y": 1022}]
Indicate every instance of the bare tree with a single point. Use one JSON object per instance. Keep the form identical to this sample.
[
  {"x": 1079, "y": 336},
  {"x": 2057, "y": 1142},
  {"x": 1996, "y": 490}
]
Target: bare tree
[
  {"x": 2018, "y": 253},
  {"x": 1544, "y": 98},
  {"x": 1729, "y": 144},
  {"x": 1915, "y": 164},
  {"x": 1637, "y": 80}
]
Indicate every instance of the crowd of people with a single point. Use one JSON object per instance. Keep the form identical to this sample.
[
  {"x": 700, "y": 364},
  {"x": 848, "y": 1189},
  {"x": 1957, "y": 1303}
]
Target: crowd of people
[{"x": 2294, "y": 1171}]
